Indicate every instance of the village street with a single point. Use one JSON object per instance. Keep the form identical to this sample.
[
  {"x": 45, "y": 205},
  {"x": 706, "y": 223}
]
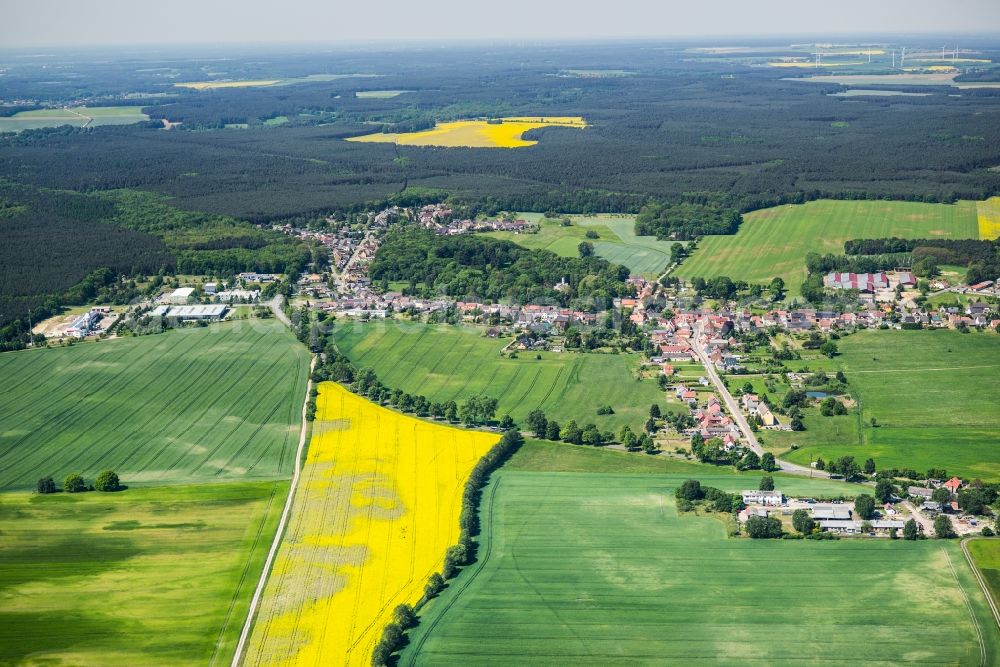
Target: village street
[{"x": 734, "y": 410}]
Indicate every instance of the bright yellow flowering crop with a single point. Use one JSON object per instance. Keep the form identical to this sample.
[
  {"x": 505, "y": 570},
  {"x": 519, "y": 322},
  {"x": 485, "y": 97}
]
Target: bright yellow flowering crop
[
  {"x": 989, "y": 218},
  {"x": 377, "y": 506},
  {"x": 476, "y": 133}
]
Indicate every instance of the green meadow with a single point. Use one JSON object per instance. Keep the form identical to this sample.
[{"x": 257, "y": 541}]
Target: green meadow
[
  {"x": 617, "y": 242},
  {"x": 589, "y": 569},
  {"x": 145, "y": 576},
  {"x": 986, "y": 556},
  {"x": 202, "y": 403},
  {"x": 453, "y": 363},
  {"x": 932, "y": 394},
  {"x": 774, "y": 241},
  {"x": 76, "y": 116}
]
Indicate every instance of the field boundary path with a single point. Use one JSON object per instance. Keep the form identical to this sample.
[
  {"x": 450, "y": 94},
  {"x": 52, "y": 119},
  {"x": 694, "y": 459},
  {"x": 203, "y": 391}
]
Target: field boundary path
[
  {"x": 979, "y": 578},
  {"x": 285, "y": 513}
]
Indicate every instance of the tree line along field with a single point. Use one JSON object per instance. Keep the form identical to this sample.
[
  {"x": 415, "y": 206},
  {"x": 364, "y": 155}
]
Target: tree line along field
[
  {"x": 932, "y": 393},
  {"x": 199, "y": 404},
  {"x": 453, "y": 363},
  {"x": 378, "y": 507},
  {"x": 600, "y": 569},
  {"x": 147, "y": 576},
  {"x": 774, "y": 242},
  {"x": 617, "y": 242}
]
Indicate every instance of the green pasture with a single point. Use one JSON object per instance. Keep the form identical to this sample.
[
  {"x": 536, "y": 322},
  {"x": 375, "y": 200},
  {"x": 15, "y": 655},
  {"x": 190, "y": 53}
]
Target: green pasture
[
  {"x": 145, "y": 576},
  {"x": 588, "y": 569},
  {"x": 986, "y": 556},
  {"x": 774, "y": 241},
  {"x": 202, "y": 403},
  {"x": 453, "y": 363},
  {"x": 643, "y": 255},
  {"x": 77, "y": 116},
  {"x": 932, "y": 394}
]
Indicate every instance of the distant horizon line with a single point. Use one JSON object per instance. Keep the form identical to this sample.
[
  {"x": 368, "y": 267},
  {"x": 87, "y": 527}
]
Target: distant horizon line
[{"x": 439, "y": 43}]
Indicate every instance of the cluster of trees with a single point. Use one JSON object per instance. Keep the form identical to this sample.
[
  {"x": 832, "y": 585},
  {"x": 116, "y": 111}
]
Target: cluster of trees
[
  {"x": 821, "y": 264},
  {"x": 107, "y": 481},
  {"x": 712, "y": 451},
  {"x": 830, "y": 407},
  {"x": 475, "y": 266},
  {"x": 549, "y": 429},
  {"x": 684, "y": 220},
  {"x": 847, "y": 467},
  {"x": 691, "y": 493},
  {"x": 571, "y": 432},
  {"x": 393, "y": 635},
  {"x": 763, "y": 527}
]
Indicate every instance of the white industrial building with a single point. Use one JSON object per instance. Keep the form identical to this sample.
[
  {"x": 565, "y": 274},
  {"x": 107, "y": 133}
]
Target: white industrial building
[
  {"x": 181, "y": 295},
  {"x": 209, "y": 312}
]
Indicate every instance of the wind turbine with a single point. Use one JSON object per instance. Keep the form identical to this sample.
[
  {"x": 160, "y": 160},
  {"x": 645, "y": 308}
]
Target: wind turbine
[
  {"x": 894, "y": 58},
  {"x": 902, "y": 57},
  {"x": 942, "y": 53},
  {"x": 818, "y": 58},
  {"x": 954, "y": 56}
]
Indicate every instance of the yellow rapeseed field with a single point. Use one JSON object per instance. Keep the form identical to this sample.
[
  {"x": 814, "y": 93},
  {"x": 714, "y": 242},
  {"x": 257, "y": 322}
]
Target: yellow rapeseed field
[
  {"x": 476, "y": 133},
  {"x": 207, "y": 85},
  {"x": 377, "y": 506},
  {"x": 989, "y": 218}
]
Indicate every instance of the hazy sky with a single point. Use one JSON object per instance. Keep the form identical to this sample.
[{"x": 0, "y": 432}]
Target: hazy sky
[{"x": 29, "y": 23}]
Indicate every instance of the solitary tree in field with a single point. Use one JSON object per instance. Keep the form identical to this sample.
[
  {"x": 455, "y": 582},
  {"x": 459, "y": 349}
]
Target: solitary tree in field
[
  {"x": 766, "y": 483},
  {"x": 46, "y": 485},
  {"x": 690, "y": 490},
  {"x": 74, "y": 484},
  {"x": 586, "y": 249},
  {"x": 910, "y": 530},
  {"x": 767, "y": 462},
  {"x": 654, "y": 411},
  {"x": 107, "y": 481}
]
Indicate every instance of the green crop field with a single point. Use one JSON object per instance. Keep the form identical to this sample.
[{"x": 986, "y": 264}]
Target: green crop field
[
  {"x": 986, "y": 555},
  {"x": 452, "y": 363},
  {"x": 774, "y": 242},
  {"x": 932, "y": 393},
  {"x": 643, "y": 255},
  {"x": 204, "y": 403},
  {"x": 77, "y": 116},
  {"x": 590, "y": 569},
  {"x": 146, "y": 576}
]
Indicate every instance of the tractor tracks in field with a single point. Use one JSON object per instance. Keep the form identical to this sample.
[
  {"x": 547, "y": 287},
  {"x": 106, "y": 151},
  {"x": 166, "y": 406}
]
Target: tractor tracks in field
[{"x": 279, "y": 532}]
